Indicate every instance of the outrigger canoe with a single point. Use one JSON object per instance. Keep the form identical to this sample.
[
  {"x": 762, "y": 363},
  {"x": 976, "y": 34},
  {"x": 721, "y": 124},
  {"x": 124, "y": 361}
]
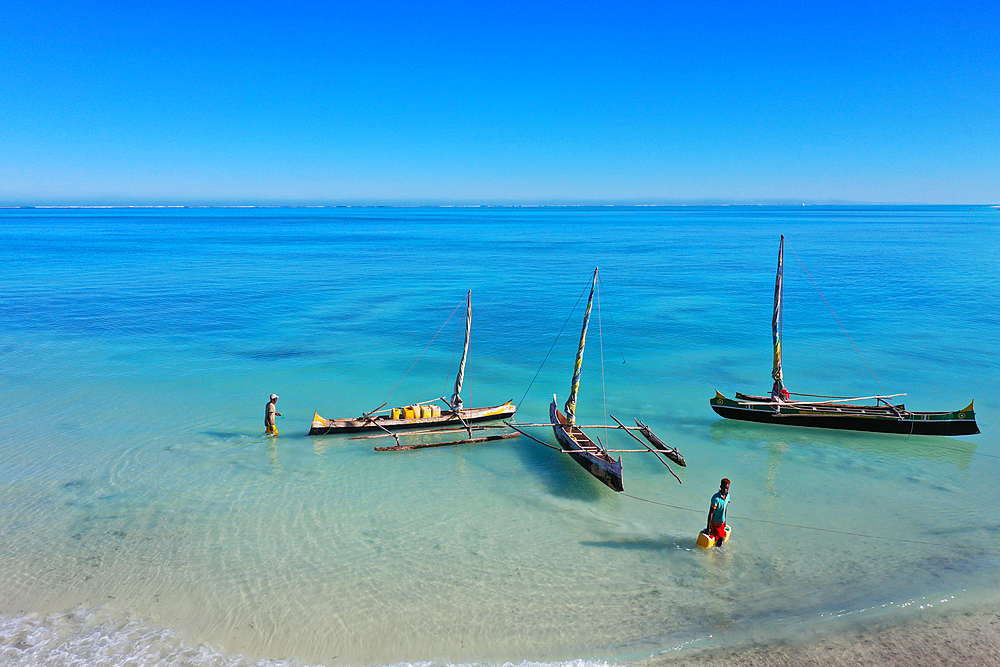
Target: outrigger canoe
[
  {"x": 590, "y": 453},
  {"x": 421, "y": 415},
  {"x": 459, "y": 418},
  {"x": 837, "y": 412},
  {"x": 591, "y": 456},
  {"x": 878, "y": 418}
]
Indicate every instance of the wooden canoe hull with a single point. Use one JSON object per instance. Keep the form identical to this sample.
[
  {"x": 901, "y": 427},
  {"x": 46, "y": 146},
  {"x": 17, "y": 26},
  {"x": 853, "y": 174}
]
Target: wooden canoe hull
[
  {"x": 322, "y": 426},
  {"x": 870, "y": 418},
  {"x": 577, "y": 444}
]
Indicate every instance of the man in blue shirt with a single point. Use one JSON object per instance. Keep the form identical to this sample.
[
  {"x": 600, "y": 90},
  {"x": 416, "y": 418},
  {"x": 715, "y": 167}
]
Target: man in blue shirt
[{"x": 717, "y": 513}]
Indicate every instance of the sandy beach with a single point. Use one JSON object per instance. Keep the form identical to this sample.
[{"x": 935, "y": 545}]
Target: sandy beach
[{"x": 955, "y": 637}]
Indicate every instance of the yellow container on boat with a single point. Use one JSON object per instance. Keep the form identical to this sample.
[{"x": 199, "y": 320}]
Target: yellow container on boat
[
  {"x": 408, "y": 412},
  {"x": 425, "y": 411},
  {"x": 706, "y": 541},
  {"x": 396, "y": 413},
  {"x": 435, "y": 410}
]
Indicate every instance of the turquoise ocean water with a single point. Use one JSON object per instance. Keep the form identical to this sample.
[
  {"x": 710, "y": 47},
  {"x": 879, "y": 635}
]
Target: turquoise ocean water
[{"x": 145, "y": 519}]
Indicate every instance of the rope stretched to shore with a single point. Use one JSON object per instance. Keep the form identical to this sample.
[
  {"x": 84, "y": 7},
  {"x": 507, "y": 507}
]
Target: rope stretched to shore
[{"x": 792, "y": 525}]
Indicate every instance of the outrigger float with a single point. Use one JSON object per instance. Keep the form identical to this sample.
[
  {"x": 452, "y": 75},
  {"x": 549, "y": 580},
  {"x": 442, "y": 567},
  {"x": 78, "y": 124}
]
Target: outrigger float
[
  {"x": 589, "y": 453},
  {"x": 424, "y": 417},
  {"x": 837, "y": 412}
]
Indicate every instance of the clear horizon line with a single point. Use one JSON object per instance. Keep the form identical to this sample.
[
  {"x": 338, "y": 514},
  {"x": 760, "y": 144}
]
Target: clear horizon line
[{"x": 705, "y": 203}]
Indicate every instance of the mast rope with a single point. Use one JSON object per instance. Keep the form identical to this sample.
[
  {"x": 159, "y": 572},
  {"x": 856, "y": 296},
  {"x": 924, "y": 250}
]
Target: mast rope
[
  {"x": 451, "y": 365},
  {"x": 521, "y": 402},
  {"x": 422, "y": 353},
  {"x": 838, "y": 320},
  {"x": 600, "y": 344},
  {"x": 628, "y": 374},
  {"x": 791, "y": 525}
]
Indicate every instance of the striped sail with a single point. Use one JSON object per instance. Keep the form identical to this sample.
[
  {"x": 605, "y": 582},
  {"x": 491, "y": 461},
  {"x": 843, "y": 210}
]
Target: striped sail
[
  {"x": 776, "y": 319},
  {"x": 575, "y": 388},
  {"x": 456, "y": 399}
]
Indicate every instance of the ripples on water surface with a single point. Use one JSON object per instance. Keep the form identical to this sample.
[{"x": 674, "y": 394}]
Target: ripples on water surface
[{"x": 143, "y": 518}]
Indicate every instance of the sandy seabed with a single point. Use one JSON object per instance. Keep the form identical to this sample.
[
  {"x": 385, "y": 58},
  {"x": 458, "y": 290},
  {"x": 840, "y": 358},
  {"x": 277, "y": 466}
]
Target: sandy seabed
[{"x": 957, "y": 637}]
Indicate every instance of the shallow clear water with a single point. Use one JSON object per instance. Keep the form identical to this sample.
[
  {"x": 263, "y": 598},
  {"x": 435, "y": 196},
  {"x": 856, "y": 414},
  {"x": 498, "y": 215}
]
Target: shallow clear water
[{"x": 144, "y": 518}]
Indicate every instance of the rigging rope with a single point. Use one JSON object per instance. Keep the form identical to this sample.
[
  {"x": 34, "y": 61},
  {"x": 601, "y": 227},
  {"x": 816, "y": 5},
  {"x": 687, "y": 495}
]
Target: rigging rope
[
  {"x": 792, "y": 525},
  {"x": 521, "y": 402},
  {"x": 838, "y": 320},
  {"x": 422, "y": 352},
  {"x": 451, "y": 365},
  {"x": 600, "y": 338},
  {"x": 628, "y": 374}
]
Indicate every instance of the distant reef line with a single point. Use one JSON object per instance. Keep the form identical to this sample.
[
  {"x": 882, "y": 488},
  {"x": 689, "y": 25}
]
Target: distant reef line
[{"x": 707, "y": 204}]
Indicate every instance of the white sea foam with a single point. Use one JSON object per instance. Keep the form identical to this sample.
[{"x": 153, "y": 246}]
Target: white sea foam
[
  {"x": 88, "y": 637},
  {"x": 92, "y": 637}
]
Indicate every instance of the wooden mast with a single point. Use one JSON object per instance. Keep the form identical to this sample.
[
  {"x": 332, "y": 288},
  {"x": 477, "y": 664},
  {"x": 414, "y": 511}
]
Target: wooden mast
[
  {"x": 578, "y": 368},
  {"x": 456, "y": 399},
  {"x": 776, "y": 373}
]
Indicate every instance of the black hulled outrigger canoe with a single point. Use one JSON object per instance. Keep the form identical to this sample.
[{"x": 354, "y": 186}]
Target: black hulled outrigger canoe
[
  {"x": 421, "y": 415},
  {"x": 882, "y": 416},
  {"x": 874, "y": 418}
]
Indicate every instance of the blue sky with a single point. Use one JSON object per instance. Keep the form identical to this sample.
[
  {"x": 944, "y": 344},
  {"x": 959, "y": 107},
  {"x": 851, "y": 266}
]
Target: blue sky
[{"x": 514, "y": 102}]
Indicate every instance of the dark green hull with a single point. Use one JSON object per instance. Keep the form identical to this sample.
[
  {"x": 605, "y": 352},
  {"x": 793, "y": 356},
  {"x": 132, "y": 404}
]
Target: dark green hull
[{"x": 870, "y": 418}]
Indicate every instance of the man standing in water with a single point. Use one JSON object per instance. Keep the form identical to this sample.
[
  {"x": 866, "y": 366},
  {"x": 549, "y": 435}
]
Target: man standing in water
[
  {"x": 717, "y": 513},
  {"x": 270, "y": 411}
]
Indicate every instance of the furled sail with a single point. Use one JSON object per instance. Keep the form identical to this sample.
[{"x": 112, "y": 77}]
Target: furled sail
[
  {"x": 575, "y": 388},
  {"x": 456, "y": 399},
  {"x": 776, "y": 373}
]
